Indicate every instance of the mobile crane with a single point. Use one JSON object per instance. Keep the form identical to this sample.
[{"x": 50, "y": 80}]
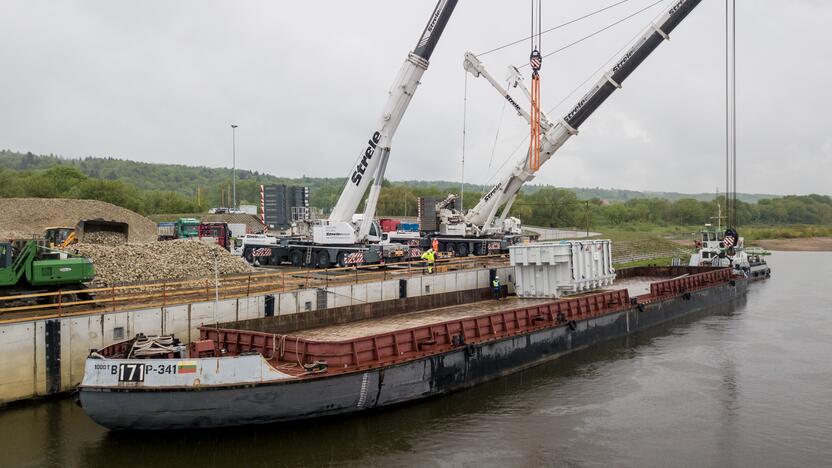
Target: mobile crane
[
  {"x": 481, "y": 220},
  {"x": 346, "y": 237}
]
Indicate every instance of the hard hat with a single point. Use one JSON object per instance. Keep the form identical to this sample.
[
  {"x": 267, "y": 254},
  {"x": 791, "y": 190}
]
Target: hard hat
[{"x": 496, "y": 277}]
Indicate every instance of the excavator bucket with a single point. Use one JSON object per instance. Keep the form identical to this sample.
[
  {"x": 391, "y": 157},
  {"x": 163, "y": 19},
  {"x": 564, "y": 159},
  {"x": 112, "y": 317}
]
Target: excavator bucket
[{"x": 88, "y": 230}]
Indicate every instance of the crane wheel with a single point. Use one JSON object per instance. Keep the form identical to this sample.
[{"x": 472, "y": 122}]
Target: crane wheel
[
  {"x": 322, "y": 259},
  {"x": 341, "y": 259},
  {"x": 296, "y": 257},
  {"x": 462, "y": 249}
]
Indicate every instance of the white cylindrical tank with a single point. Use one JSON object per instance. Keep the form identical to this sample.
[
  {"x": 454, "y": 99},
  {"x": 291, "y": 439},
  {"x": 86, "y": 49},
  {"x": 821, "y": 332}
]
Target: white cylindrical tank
[{"x": 551, "y": 269}]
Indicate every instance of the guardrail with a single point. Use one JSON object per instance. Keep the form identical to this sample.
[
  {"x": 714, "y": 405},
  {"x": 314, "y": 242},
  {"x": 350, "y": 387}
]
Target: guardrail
[
  {"x": 16, "y": 308},
  {"x": 689, "y": 283}
]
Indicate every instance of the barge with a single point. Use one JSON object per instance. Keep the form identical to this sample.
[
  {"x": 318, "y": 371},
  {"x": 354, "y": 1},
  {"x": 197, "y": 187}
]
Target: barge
[{"x": 245, "y": 373}]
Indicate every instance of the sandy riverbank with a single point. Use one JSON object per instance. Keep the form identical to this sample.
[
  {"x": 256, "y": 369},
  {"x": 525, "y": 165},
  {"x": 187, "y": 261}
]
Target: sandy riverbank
[{"x": 808, "y": 244}]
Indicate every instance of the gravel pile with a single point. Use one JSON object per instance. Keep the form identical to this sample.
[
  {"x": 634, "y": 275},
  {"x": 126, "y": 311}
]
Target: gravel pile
[
  {"x": 168, "y": 260},
  {"x": 24, "y": 218},
  {"x": 105, "y": 238}
]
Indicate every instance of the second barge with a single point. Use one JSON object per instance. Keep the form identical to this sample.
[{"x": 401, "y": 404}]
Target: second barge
[{"x": 241, "y": 373}]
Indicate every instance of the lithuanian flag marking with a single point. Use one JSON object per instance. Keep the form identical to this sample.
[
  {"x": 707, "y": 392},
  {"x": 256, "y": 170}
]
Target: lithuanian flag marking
[{"x": 186, "y": 367}]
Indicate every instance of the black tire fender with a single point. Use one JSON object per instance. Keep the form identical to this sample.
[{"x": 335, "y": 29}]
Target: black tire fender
[
  {"x": 322, "y": 259},
  {"x": 341, "y": 259},
  {"x": 296, "y": 258}
]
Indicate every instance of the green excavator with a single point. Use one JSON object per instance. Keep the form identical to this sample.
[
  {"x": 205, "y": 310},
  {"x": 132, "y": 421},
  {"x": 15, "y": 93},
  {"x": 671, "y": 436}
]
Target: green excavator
[{"x": 30, "y": 268}]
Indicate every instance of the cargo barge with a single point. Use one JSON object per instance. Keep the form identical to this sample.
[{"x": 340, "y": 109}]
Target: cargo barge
[{"x": 241, "y": 373}]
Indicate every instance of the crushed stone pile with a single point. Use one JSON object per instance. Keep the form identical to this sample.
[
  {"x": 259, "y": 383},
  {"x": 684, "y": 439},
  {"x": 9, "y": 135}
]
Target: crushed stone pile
[
  {"x": 26, "y": 218},
  {"x": 105, "y": 238},
  {"x": 162, "y": 260}
]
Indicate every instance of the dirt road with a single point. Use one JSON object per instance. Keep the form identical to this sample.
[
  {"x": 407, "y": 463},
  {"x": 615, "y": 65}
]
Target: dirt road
[{"x": 809, "y": 244}]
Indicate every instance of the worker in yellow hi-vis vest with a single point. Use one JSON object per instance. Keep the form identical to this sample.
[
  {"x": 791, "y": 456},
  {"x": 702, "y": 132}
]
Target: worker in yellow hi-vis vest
[
  {"x": 430, "y": 257},
  {"x": 496, "y": 288}
]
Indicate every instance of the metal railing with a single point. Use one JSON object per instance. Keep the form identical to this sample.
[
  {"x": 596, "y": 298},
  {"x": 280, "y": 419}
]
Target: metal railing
[{"x": 62, "y": 303}]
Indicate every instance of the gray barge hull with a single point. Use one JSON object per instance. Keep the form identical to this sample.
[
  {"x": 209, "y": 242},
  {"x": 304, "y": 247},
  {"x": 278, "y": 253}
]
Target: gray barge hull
[{"x": 137, "y": 408}]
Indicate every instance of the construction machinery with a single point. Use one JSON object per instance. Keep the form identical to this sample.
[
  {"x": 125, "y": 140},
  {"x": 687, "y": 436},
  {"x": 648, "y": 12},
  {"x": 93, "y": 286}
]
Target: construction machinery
[
  {"x": 62, "y": 237},
  {"x": 482, "y": 220},
  {"x": 59, "y": 237},
  {"x": 28, "y": 268},
  {"x": 350, "y": 238},
  {"x": 347, "y": 237}
]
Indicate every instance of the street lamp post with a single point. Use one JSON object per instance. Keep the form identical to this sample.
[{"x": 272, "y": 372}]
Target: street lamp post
[
  {"x": 234, "y": 165},
  {"x": 587, "y": 219}
]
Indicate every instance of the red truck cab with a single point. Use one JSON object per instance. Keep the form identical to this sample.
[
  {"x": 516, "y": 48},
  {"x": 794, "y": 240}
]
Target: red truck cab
[{"x": 217, "y": 231}]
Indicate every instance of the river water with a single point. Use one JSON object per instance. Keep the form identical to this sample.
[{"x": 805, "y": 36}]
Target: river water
[{"x": 748, "y": 386}]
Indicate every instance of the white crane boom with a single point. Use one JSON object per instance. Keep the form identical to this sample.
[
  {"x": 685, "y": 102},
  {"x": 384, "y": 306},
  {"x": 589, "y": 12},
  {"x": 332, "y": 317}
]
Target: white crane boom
[
  {"x": 556, "y": 134},
  {"x": 367, "y": 166}
]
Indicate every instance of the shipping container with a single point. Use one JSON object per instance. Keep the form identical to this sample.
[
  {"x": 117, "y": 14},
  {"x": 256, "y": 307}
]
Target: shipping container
[
  {"x": 389, "y": 225},
  {"x": 551, "y": 269}
]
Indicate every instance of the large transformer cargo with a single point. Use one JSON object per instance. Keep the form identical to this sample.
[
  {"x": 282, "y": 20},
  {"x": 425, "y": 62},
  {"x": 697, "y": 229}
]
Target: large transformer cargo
[
  {"x": 283, "y": 204},
  {"x": 552, "y": 269},
  {"x": 426, "y": 214}
]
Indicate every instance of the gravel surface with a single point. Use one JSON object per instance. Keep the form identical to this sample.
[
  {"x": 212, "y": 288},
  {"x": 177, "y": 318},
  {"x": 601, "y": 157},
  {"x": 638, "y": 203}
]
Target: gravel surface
[
  {"x": 28, "y": 217},
  {"x": 153, "y": 261}
]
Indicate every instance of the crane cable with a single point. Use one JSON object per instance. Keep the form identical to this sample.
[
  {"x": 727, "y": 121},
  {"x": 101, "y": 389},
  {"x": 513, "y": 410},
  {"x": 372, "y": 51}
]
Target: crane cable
[
  {"x": 591, "y": 76},
  {"x": 567, "y": 23},
  {"x": 731, "y": 114},
  {"x": 535, "y": 61}
]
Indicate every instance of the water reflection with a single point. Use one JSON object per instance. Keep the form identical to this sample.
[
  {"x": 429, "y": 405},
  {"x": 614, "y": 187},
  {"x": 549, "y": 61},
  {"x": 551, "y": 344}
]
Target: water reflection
[{"x": 740, "y": 386}]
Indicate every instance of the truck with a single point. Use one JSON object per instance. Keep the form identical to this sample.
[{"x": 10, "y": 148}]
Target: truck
[
  {"x": 240, "y": 243},
  {"x": 216, "y": 233},
  {"x": 347, "y": 237},
  {"x": 182, "y": 228},
  {"x": 30, "y": 268},
  {"x": 389, "y": 225}
]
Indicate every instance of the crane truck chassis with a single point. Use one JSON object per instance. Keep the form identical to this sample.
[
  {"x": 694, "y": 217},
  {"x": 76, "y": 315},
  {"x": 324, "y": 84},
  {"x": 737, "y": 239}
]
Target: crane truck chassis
[{"x": 305, "y": 253}]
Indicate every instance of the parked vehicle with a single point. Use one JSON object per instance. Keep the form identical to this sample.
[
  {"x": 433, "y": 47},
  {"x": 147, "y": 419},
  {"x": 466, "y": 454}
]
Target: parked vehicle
[
  {"x": 32, "y": 268},
  {"x": 217, "y": 233},
  {"x": 182, "y": 228}
]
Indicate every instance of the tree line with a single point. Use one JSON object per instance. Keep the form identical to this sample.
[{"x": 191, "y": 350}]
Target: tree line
[
  {"x": 556, "y": 207},
  {"x": 165, "y": 188}
]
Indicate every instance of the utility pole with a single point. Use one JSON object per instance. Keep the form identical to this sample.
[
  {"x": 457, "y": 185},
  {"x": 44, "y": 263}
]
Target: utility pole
[
  {"x": 234, "y": 164},
  {"x": 587, "y": 219}
]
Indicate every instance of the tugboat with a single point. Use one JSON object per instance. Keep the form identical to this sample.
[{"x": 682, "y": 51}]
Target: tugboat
[{"x": 718, "y": 248}]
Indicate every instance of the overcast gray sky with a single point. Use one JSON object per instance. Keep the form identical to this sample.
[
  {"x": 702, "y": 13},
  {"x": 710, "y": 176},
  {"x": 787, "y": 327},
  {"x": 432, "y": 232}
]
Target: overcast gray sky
[{"x": 162, "y": 80}]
